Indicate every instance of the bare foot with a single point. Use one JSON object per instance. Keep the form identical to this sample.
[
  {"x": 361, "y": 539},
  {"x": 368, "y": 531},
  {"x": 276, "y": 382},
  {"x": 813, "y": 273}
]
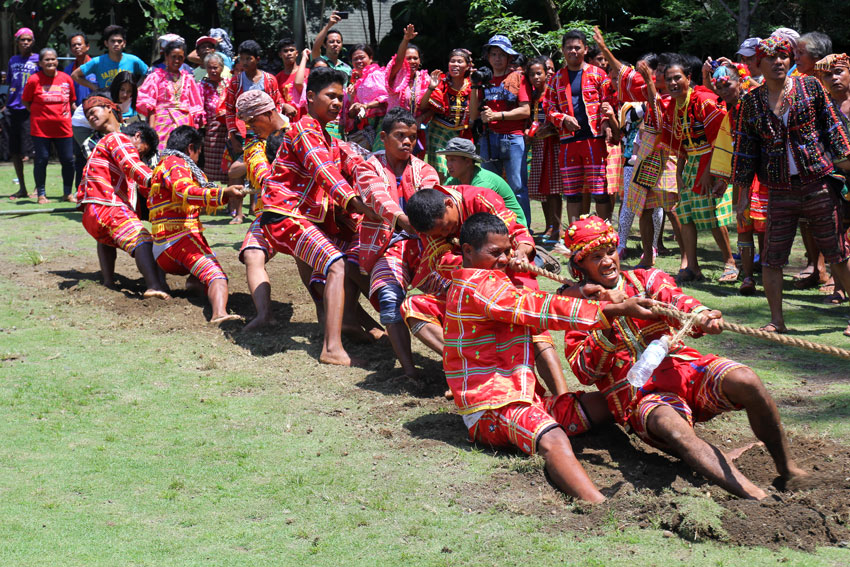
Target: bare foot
[
  {"x": 258, "y": 323},
  {"x": 237, "y": 220},
  {"x": 341, "y": 359},
  {"x": 377, "y": 333},
  {"x": 358, "y": 334},
  {"x": 158, "y": 293},
  {"x": 224, "y": 318},
  {"x": 798, "y": 479},
  {"x": 847, "y": 331},
  {"x": 735, "y": 453},
  {"x": 448, "y": 395}
]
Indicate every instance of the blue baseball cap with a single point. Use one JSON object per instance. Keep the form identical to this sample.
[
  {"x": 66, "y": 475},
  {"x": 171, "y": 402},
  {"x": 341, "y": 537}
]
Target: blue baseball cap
[{"x": 500, "y": 41}]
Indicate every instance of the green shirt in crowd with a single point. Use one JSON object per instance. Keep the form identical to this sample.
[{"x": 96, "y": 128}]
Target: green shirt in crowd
[{"x": 494, "y": 182}]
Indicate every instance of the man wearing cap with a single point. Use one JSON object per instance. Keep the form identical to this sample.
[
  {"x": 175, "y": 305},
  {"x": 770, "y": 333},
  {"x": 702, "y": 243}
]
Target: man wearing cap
[
  {"x": 203, "y": 47},
  {"x": 506, "y": 99},
  {"x": 257, "y": 110},
  {"x": 106, "y": 66},
  {"x": 112, "y": 180},
  {"x": 747, "y": 51},
  {"x": 574, "y": 104},
  {"x": 462, "y": 164},
  {"x": 686, "y": 387},
  {"x": 790, "y": 134}
]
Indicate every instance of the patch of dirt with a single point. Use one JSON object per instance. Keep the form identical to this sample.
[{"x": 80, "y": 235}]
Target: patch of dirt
[{"x": 647, "y": 489}]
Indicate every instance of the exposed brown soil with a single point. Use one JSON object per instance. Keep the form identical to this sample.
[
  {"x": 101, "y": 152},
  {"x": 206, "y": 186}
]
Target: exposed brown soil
[{"x": 646, "y": 489}]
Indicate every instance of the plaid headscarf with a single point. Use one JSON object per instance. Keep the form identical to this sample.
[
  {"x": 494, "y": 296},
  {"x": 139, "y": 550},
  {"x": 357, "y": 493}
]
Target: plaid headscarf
[
  {"x": 772, "y": 47},
  {"x": 833, "y": 60}
]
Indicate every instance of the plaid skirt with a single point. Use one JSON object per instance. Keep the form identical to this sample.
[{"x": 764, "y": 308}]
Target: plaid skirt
[
  {"x": 653, "y": 183},
  {"x": 544, "y": 176},
  {"x": 215, "y": 144},
  {"x": 705, "y": 211},
  {"x": 614, "y": 169},
  {"x": 438, "y": 137}
]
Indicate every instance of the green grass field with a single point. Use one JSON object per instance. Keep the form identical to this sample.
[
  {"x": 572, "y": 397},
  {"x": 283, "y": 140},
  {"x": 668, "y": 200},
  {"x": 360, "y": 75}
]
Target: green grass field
[{"x": 136, "y": 434}]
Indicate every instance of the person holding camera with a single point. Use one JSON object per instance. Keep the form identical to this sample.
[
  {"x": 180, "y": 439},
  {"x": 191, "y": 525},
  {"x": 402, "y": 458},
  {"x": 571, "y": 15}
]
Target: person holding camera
[
  {"x": 331, "y": 40},
  {"x": 505, "y": 107}
]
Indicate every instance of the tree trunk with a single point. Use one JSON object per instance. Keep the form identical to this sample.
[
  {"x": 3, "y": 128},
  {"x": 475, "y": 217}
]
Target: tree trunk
[
  {"x": 370, "y": 12},
  {"x": 552, "y": 14},
  {"x": 744, "y": 18}
]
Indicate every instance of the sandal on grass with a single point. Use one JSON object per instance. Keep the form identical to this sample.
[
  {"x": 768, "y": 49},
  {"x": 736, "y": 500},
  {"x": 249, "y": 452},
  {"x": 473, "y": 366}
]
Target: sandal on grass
[
  {"x": 774, "y": 328},
  {"x": 730, "y": 274},
  {"x": 748, "y": 286},
  {"x": 837, "y": 297},
  {"x": 687, "y": 275}
]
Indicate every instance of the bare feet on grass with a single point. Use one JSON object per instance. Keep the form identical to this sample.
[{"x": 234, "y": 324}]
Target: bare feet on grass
[
  {"x": 340, "y": 358},
  {"x": 734, "y": 454},
  {"x": 157, "y": 293}
]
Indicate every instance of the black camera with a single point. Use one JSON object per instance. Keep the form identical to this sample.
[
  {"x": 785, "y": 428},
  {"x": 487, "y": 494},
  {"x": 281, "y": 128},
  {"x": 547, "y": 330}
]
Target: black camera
[{"x": 481, "y": 76}]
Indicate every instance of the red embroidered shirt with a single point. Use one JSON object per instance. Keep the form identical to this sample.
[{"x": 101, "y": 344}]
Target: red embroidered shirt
[
  {"x": 380, "y": 191},
  {"x": 595, "y": 359},
  {"x": 113, "y": 173},
  {"x": 489, "y": 324}
]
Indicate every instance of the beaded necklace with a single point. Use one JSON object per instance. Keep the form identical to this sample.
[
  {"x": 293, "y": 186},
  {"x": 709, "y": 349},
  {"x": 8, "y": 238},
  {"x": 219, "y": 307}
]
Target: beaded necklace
[{"x": 681, "y": 127}]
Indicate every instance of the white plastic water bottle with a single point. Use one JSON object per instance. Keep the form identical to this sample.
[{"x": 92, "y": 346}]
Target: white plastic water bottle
[{"x": 641, "y": 372}]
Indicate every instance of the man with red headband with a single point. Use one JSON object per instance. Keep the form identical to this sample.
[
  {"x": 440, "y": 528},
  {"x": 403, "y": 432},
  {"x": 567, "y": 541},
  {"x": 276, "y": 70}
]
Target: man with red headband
[
  {"x": 791, "y": 136},
  {"x": 108, "y": 197},
  {"x": 489, "y": 362},
  {"x": 686, "y": 387}
]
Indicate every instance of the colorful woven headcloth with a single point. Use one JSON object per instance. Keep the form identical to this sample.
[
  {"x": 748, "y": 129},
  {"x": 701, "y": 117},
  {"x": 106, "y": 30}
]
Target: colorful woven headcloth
[
  {"x": 773, "y": 46},
  {"x": 722, "y": 76},
  {"x": 98, "y": 101},
  {"x": 833, "y": 60},
  {"x": 587, "y": 234}
]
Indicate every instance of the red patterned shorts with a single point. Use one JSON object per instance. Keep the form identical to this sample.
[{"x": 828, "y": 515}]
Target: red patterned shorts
[
  {"x": 700, "y": 398},
  {"x": 583, "y": 167},
  {"x": 256, "y": 240},
  {"x": 116, "y": 226},
  {"x": 306, "y": 241},
  {"x": 521, "y": 425},
  {"x": 191, "y": 255}
]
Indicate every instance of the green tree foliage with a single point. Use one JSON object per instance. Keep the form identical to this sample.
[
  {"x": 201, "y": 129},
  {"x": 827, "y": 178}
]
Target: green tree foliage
[
  {"x": 44, "y": 17},
  {"x": 529, "y": 36}
]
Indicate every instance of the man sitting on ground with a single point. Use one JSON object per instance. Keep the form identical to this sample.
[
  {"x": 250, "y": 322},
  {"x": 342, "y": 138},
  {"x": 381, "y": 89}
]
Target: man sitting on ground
[
  {"x": 437, "y": 214},
  {"x": 488, "y": 359},
  {"x": 179, "y": 189},
  {"x": 687, "y": 387}
]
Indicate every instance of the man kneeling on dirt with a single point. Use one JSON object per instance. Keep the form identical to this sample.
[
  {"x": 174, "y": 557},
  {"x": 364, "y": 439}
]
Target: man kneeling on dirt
[
  {"x": 687, "y": 387},
  {"x": 489, "y": 363}
]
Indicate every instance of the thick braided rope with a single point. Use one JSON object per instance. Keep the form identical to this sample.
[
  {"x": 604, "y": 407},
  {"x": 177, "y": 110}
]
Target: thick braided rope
[
  {"x": 534, "y": 269},
  {"x": 768, "y": 336},
  {"x": 725, "y": 325}
]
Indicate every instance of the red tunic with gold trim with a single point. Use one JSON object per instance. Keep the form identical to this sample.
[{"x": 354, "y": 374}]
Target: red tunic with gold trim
[
  {"x": 380, "y": 191},
  {"x": 594, "y": 359},
  {"x": 488, "y": 331},
  {"x": 306, "y": 180},
  {"x": 176, "y": 199},
  {"x": 113, "y": 173}
]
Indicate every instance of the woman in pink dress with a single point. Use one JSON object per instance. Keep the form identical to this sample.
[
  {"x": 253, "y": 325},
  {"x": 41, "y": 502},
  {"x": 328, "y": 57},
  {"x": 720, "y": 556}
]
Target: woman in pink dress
[
  {"x": 170, "y": 97},
  {"x": 365, "y": 100},
  {"x": 407, "y": 82}
]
